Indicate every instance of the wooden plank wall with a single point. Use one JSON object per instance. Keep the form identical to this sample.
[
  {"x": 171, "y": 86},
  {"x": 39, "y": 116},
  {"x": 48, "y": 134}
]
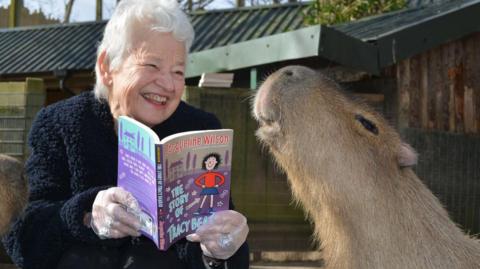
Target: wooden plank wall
[
  {"x": 440, "y": 89},
  {"x": 76, "y": 82},
  {"x": 438, "y": 113}
]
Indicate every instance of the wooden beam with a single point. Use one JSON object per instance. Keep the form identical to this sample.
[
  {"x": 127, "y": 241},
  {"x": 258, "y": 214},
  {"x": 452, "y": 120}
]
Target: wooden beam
[
  {"x": 373, "y": 98},
  {"x": 98, "y": 11},
  {"x": 14, "y": 16}
]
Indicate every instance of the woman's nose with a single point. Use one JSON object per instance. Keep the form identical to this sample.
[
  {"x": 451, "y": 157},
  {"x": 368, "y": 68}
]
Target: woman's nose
[{"x": 165, "y": 80}]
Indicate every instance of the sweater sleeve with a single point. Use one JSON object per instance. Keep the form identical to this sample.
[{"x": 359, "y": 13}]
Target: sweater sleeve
[
  {"x": 193, "y": 257},
  {"x": 53, "y": 217}
]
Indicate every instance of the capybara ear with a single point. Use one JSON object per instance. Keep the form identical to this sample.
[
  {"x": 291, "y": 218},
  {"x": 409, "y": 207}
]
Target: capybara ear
[{"x": 407, "y": 156}]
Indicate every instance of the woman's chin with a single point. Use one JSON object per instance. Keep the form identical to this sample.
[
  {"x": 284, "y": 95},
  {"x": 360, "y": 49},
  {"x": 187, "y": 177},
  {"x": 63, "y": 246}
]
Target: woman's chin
[
  {"x": 151, "y": 113},
  {"x": 151, "y": 119}
]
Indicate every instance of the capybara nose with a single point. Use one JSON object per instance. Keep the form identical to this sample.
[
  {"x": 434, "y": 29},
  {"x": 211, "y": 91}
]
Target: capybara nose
[
  {"x": 288, "y": 73},
  {"x": 295, "y": 71}
]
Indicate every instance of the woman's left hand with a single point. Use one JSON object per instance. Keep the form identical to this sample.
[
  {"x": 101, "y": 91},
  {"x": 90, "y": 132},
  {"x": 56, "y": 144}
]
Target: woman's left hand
[{"x": 222, "y": 235}]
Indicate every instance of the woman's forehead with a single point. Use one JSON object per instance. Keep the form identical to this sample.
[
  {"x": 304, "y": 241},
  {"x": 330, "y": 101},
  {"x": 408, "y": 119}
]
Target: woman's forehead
[{"x": 159, "y": 46}]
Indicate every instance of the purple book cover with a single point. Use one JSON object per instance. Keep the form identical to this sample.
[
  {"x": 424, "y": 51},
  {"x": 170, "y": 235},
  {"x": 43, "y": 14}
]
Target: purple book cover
[
  {"x": 137, "y": 170},
  {"x": 179, "y": 181}
]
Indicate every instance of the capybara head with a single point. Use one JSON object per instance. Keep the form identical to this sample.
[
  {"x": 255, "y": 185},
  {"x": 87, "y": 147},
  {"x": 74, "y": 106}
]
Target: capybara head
[
  {"x": 311, "y": 126},
  {"x": 13, "y": 191}
]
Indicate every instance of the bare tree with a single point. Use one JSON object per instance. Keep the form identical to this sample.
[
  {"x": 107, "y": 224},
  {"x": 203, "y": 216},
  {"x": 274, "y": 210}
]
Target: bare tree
[
  {"x": 192, "y": 5},
  {"x": 98, "y": 12},
  {"x": 68, "y": 11}
]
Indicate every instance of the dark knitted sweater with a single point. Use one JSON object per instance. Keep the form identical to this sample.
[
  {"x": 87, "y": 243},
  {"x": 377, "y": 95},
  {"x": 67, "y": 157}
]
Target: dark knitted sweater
[{"x": 74, "y": 155}]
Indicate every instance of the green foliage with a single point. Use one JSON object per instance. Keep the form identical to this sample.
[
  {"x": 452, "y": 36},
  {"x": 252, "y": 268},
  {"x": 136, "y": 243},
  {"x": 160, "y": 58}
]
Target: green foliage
[{"x": 329, "y": 12}]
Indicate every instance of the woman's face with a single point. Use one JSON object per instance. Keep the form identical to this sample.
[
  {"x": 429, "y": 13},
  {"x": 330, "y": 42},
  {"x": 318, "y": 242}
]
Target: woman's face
[{"x": 149, "y": 83}]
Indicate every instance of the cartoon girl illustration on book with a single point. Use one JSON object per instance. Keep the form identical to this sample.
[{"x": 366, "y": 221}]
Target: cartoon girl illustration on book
[{"x": 210, "y": 180}]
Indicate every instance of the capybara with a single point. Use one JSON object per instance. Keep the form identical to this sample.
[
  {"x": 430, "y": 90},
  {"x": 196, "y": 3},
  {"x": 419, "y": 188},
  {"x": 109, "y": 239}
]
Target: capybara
[
  {"x": 13, "y": 191},
  {"x": 352, "y": 174}
]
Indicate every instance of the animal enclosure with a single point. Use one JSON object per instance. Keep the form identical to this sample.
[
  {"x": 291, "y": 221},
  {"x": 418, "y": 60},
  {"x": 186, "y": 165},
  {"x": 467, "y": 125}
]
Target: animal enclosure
[{"x": 449, "y": 165}]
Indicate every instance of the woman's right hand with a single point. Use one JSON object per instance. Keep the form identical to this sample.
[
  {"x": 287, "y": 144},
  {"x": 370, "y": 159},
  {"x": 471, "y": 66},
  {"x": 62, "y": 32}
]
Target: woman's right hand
[{"x": 113, "y": 214}]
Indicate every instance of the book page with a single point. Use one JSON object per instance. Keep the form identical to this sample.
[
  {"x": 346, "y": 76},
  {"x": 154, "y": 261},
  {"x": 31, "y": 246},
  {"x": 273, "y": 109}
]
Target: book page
[{"x": 197, "y": 170}]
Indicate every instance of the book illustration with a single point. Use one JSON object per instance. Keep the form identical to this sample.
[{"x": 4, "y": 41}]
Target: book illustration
[
  {"x": 175, "y": 170},
  {"x": 210, "y": 180},
  {"x": 178, "y": 181},
  {"x": 187, "y": 201}
]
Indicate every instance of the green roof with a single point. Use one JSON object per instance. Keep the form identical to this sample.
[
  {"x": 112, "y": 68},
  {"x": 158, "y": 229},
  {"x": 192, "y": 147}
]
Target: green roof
[
  {"x": 370, "y": 44},
  {"x": 247, "y": 37}
]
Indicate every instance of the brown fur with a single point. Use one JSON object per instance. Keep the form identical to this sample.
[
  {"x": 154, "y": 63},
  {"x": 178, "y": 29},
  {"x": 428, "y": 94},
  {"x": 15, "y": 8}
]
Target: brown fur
[
  {"x": 13, "y": 191},
  {"x": 369, "y": 208}
]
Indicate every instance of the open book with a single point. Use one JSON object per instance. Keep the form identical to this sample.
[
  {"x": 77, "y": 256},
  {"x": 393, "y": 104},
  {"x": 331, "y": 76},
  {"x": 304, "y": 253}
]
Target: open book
[{"x": 178, "y": 181}]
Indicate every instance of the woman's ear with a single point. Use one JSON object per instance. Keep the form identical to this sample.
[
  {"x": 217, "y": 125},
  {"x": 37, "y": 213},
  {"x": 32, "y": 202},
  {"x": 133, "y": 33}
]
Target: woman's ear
[{"x": 104, "y": 68}]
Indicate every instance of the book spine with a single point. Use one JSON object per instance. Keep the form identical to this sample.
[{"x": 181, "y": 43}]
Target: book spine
[{"x": 160, "y": 196}]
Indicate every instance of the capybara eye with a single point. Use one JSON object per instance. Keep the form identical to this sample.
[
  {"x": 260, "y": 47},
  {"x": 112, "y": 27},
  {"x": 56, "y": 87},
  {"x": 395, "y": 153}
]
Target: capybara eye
[
  {"x": 370, "y": 126},
  {"x": 289, "y": 73}
]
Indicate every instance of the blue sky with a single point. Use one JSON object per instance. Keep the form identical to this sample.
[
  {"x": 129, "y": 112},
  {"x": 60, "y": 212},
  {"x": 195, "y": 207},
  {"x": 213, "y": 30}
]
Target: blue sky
[{"x": 84, "y": 10}]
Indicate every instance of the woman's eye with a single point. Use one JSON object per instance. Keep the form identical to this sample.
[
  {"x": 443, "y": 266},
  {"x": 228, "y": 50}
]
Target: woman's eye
[
  {"x": 367, "y": 124},
  {"x": 179, "y": 73},
  {"x": 150, "y": 65}
]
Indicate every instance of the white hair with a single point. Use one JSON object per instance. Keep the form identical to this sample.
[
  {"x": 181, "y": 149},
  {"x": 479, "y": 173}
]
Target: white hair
[{"x": 163, "y": 16}]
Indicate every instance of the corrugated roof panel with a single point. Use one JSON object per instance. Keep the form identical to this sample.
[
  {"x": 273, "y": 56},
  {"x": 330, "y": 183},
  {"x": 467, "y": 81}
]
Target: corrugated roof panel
[
  {"x": 73, "y": 56},
  {"x": 219, "y": 31},
  {"x": 263, "y": 22},
  {"x": 43, "y": 61},
  {"x": 44, "y": 49},
  {"x": 13, "y": 51},
  {"x": 19, "y": 50},
  {"x": 211, "y": 30},
  {"x": 373, "y": 27},
  {"x": 233, "y": 28},
  {"x": 277, "y": 21},
  {"x": 82, "y": 56},
  {"x": 295, "y": 20},
  {"x": 232, "y": 24},
  {"x": 73, "y": 46},
  {"x": 251, "y": 25},
  {"x": 242, "y": 24}
]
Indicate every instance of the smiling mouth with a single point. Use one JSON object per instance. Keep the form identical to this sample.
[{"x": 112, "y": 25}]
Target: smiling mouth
[{"x": 155, "y": 98}]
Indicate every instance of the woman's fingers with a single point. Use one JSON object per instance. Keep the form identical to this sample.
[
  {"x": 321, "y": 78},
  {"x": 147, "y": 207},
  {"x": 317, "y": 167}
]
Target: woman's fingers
[
  {"x": 222, "y": 235},
  {"x": 110, "y": 218}
]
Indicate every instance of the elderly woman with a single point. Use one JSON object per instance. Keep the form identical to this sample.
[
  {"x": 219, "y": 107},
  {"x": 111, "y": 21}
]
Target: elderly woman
[{"x": 72, "y": 170}]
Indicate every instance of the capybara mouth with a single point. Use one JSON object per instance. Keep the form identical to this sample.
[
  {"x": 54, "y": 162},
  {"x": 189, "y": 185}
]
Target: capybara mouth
[
  {"x": 260, "y": 111},
  {"x": 263, "y": 109},
  {"x": 265, "y": 121}
]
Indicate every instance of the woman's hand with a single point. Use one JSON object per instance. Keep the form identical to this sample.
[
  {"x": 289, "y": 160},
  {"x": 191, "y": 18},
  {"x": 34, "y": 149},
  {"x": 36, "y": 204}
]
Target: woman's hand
[
  {"x": 222, "y": 235},
  {"x": 111, "y": 217}
]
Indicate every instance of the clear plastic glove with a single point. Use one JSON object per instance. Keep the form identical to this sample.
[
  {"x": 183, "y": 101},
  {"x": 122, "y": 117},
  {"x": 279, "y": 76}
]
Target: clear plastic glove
[
  {"x": 222, "y": 235},
  {"x": 113, "y": 214}
]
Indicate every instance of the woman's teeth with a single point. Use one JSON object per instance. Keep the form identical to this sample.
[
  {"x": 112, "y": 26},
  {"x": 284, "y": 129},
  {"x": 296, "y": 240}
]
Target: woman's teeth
[{"x": 156, "y": 98}]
